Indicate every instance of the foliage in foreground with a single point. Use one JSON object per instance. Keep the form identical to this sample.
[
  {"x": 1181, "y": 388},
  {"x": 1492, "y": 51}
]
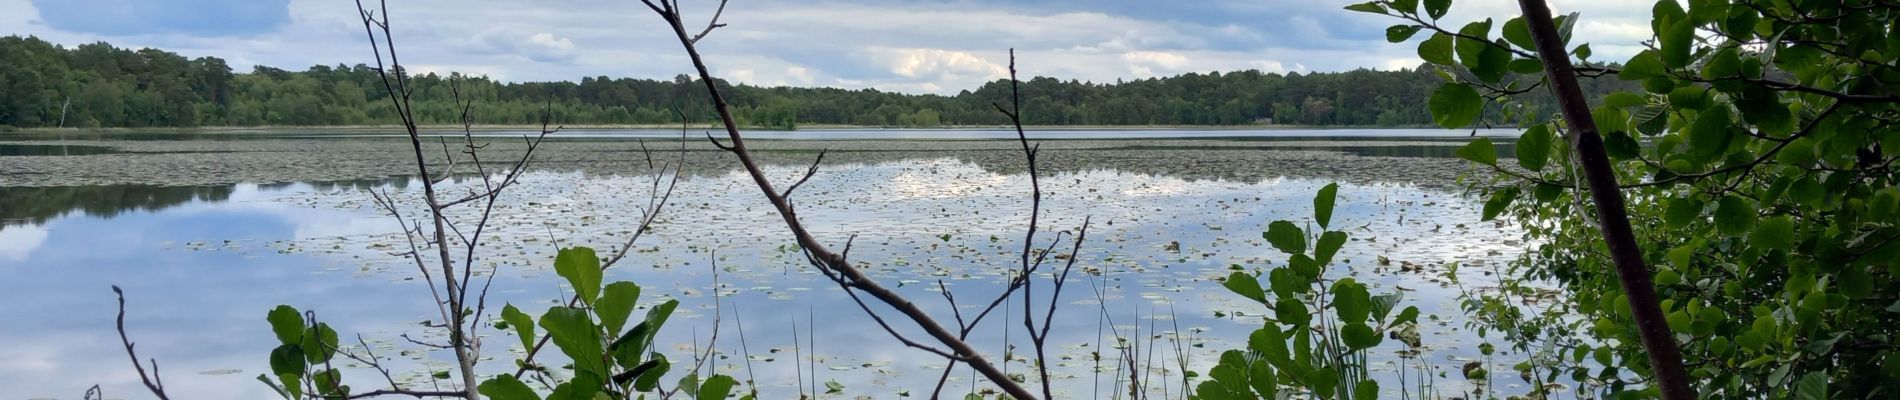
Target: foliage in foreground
[
  {"x": 606, "y": 361},
  {"x": 1758, "y": 162},
  {"x": 1317, "y": 338}
]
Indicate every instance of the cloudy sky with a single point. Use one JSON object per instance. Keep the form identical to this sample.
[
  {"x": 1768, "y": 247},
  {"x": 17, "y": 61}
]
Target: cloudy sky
[{"x": 917, "y": 46}]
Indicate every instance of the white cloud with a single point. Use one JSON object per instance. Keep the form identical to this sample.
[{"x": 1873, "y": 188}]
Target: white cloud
[
  {"x": 18, "y": 242},
  {"x": 939, "y": 47}
]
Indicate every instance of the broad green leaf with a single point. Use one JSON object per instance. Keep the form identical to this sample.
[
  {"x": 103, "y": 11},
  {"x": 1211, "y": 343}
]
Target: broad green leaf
[
  {"x": 287, "y": 323},
  {"x": 1620, "y": 145},
  {"x": 1533, "y": 147},
  {"x": 616, "y": 303},
  {"x": 1351, "y": 301},
  {"x": 1455, "y": 106},
  {"x": 576, "y": 335},
  {"x": 1494, "y": 62},
  {"x": 506, "y": 387},
  {"x": 1245, "y": 285},
  {"x": 1709, "y": 136},
  {"x": 715, "y": 388},
  {"x": 1479, "y": 151},
  {"x": 1689, "y": 97},
  {"x": 1813, "y": 386},
  {"x": 1261, "y": 378},
  {"x": 1437, "y": 50},
  {"x": 1678, "y": 212},
  {"x": 522, "y": 324},
  {"x": 1582, "y": 51},
  {"x": 1323, "y": 204},
  {"x": 581, "y": 267},
  {"x": 1677, "y": 42},
  {"x": 1499, "y": 201},
  {"x": 1406, "y": 316},
  {"x": 1470, "y": 49},
  {"x": 584, "y": 386},
  {"x": 1405, "y": 6},
  {"x": 649, "y": 378},
  {"x": 1291, "y": 312},
  {"x": 1366, "y": 389},
  {"x": 1725, "y": 63},
  {"x": 1734, "y": 215},
  {"x": 1437, "y": 8},
  {"x": 1286, "y": 236},
  {"x": 1367, "y": 7},
  {"x": 1358, "y": 336},
  {"x": 1644, "y": 65},
  {"x": 1773, "y": 233},
  {"x": 319, "y": 343},
  {"x": 1328, "y": 245},
  {"x": 287, "y": 360},
  {"x": 1624, "y": 99},
  {"x": 328, "y": 382},
  {"x": 1518, "y": 33},
  {"x": 1400, "y": 33}
]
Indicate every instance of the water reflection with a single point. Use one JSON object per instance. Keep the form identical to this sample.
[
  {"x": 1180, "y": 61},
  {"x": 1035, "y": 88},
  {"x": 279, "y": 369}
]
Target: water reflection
[
  {"x": 36, "y": 205},
  {"x": 51, "y": 150},
  {"x": 202, "y": 271}
]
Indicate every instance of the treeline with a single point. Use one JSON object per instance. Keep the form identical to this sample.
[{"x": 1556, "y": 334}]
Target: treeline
[{"x": 98, "y": 85}]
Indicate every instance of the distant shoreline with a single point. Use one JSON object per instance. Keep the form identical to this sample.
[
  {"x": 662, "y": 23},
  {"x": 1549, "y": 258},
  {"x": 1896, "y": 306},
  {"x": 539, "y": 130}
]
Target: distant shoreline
[{"x": 654, "y": 127}]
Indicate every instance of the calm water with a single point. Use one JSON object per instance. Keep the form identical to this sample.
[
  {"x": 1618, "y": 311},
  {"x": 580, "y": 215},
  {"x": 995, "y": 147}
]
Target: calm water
[{"x": 202, "y": 264}]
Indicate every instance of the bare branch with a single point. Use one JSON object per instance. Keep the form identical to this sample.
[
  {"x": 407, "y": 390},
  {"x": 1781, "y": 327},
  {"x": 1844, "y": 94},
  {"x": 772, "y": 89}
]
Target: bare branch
[{"x": 152, "y": 382}]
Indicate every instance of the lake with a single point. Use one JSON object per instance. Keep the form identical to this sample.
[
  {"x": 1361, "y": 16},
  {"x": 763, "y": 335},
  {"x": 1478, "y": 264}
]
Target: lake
[{"x": 206, "y": 232}]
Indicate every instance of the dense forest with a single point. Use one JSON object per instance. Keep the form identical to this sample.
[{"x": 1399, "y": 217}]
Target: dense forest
[{"x": 98, "y": 85}]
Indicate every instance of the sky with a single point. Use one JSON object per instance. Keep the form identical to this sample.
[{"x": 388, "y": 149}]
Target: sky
[{"x": 911, "y": 46}]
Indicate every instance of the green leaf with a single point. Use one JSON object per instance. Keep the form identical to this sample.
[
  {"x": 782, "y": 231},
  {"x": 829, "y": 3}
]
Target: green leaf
[
  {"x": 1813, "y": 386},
  {"x": 1519, "y": 33},
  {"x": 584, "y": 386},
  {"x": 287, "y": 323},
  {"x": 1291, "y": 312},
  {"x": 576, "y": 335},
  {"x": 1470, "y": 49},
  {"x": 833, "y": 387},
  {"x": 1455, "y": 106},
  {"x": 1479, "y": 151},
  {"x": 1437, "y": 49},
  {"x": 1533, "y": 147},
  {"x": 1582, "y": 51},
  {"x": 1689, "y": 97},
  {"x": 522, "y": 324},
  {"x": 1323, "y": 204},
  {"x": 1526, "y": 66},
  {"x": 1351, "y": 302},
  {"x": 1246, "y": 286},
  {"x": 1734, "y": 215},
  {"x": 1500, "y": 200},
  {"x": 616, "y": 303},
  {"x": 1644, "y": 65},
  {"x": 506, "y": 387},
  {"x": 1400, "y": 33},
  {"x": 1773, "y": 233},
  {"x": 287, "y": 360},
  {"x": 275, "y": 386},
  {"x": 1677, "y": 41},
  {"x": 650, "y": 378},
  {"x": 319, "y": 343},
  {"x": 581, "y": 267},
  {"x": 1358, "y": 336},
  {"x": 1437, "y": 8},
  {"x": 1328, "y": 245},
  {"x": 1624, "y": 99},
  {"x": 1620, "y": 145},
  {"x": 1366, "y": 389},
  {"x": 1678, "y": 212},
  {"x": 1405, "y": 6},
  {"x": 715, "y": 388},
  {"x": 1709, "y": 136},
  {"x": 1367, "y": 7},
  {"x": 1286, "y": 237},
  {"x": 1406, "y": 316}
]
